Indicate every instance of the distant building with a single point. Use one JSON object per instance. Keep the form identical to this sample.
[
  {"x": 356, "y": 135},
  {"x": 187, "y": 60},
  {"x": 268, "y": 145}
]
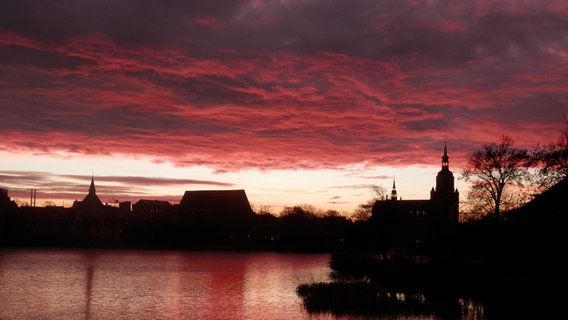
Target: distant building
[
  {"x": 94, "y": 222},
  {"x": 4, "y": 196},
  {"x": 91, "y": 200},
  {"x": 125, "y": 206},
  {"x": 441, "y": 208},
  {"x": 5, "y": 201},
  {"x": 216, "y": 204},
  {"x": 151, "y": 206}
]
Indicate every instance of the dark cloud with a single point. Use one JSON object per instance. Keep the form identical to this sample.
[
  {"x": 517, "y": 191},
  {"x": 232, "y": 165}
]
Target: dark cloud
[
  {"x": 280, "y": 84},
  {"x": 30, "y": 57}
]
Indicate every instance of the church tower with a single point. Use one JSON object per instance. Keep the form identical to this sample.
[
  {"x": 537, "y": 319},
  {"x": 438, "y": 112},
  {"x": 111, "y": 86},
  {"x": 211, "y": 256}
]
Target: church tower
[
  {"x": 445, "y": 197},
  {"x": 445, "y": 178},
  {"x": 442, "y": 209},
  {"x": 91, "y": 200}
]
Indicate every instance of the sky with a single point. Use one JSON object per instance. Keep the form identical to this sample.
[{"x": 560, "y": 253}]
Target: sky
[{"x": 296, "y": 102}]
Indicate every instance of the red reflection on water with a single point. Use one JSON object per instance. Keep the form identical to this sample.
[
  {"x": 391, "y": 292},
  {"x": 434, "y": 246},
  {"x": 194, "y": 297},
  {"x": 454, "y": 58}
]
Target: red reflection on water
[{"x": 71, "y": 284}]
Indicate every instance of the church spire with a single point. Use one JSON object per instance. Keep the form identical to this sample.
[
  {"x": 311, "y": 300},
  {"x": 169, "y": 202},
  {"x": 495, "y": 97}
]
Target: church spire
[
  {"x": 445, "y": 178},
  {"x": 92, "y": 189},
  {"x": 393, "y": 192},
  {"x": 445, "y": 158},
  {"x": 91, "y": 200}
]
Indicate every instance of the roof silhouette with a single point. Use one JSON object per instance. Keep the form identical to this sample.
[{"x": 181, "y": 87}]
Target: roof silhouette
[
  {"x": 91, "y": 200},
  {"x": 216, "y": 202},
  {"x": 549, "y": 206}
]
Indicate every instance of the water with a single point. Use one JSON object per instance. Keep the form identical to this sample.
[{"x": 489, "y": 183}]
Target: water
[
  {"x": 131, "y": 284},
  {"x": 101, "y": 284}
]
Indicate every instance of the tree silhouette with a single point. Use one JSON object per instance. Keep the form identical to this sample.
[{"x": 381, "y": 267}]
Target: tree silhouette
[
  {"x": 552, "y": 160},
  {"x": 363, "y": 210},
  {"x": 265, "y": 209},
  {"x": 303, "y": 210},
  {"x": 493, "y": 170}
]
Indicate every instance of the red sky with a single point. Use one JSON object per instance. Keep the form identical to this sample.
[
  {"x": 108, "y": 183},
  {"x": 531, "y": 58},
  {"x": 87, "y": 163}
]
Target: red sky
[{"x": 274, "y": 86}]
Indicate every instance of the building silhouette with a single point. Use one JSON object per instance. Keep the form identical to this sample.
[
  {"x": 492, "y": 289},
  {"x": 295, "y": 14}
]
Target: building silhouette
[
  {"x": 226, "y": 204},
  {"x": 91, "y": 200},
  {"x": 441, "y": 208},
  {"x": 5, "y": 201},
  {"x": 153, "y": 207}
]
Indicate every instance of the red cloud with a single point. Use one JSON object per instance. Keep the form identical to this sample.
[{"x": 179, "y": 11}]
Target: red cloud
[{"x": 231, "y": 89}]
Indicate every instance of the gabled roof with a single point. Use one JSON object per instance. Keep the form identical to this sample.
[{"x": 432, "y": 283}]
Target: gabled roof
[
  {"x": 91, "y": 200},
  {"x": 216, "y": 202}
]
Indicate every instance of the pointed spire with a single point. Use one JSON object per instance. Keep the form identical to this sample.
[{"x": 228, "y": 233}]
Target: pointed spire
[
  {"x": 92, "y": 187},
  {"x": 393, "y": 192},
  {"x": 445, "y": 157},
  {"x": 91, "y": 200}
]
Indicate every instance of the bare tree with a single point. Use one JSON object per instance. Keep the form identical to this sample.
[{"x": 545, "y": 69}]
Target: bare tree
[
  {"x": 331, "y": 213},
  {"x": 364, "y": 210},
  {"x": 265, "y": 209},
  {"x": 302, "y": 210},
  {"x": 552, "y": 161},
  {"x": 48, "y": 203},
  {"x": 496, "y": 172}
]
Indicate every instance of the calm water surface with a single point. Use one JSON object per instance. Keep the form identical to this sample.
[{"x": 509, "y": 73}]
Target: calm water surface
[
  {"x": 76, "y": 284},
  {"x": 122, "y": 284}
]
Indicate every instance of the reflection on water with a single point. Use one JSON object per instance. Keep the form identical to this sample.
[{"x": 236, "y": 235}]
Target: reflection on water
[
  {"x": 71, "y": 284},
  {"x": 121, "y": 284}
]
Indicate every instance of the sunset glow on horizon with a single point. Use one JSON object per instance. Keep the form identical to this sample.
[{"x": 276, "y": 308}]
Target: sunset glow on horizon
[{"x": 296, "y": 102}]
